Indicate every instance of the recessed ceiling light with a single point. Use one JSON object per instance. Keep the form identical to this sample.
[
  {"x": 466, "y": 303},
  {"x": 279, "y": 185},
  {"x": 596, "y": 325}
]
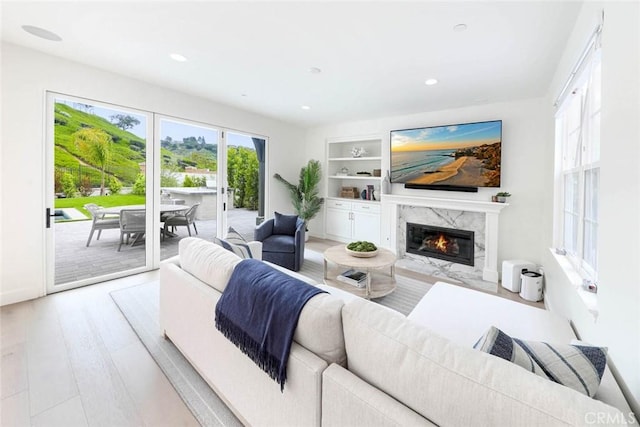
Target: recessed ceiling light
[
  {"x": 431, "y": 82},
  {"x": 306, "y": 107},
  {"x": 177, "y": 57},
  {"x": 42, "y": 33},
  {"x": 459, "y": 28},
  {"x": 315, "y": 70}
]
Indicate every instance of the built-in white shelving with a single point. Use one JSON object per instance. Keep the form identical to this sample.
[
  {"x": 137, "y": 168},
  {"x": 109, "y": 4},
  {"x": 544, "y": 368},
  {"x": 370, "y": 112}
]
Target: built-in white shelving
[
  {"x": 352, "y": 218},
  {"x": 340, "y": 161}
]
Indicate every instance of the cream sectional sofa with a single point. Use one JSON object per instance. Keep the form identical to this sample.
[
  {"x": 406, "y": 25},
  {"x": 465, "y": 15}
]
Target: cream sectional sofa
[
  {"x": 191, "y": 285},
  {"x": 402, "y": 373},
  {"x": 354, "y": 362}
]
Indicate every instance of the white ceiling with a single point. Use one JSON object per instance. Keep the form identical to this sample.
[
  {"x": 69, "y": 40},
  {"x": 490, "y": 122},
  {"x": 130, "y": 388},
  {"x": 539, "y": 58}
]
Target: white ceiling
[{"x": 374, "y": 56}]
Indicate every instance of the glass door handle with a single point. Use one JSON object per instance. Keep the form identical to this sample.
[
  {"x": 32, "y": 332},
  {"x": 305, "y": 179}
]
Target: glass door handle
[{"x": 48, "y": 217}]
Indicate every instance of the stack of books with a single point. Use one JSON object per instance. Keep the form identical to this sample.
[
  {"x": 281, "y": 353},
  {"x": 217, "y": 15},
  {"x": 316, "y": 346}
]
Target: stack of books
[
  {"x": 353, "y": 277},
  {"x": 368, "y": 193}
]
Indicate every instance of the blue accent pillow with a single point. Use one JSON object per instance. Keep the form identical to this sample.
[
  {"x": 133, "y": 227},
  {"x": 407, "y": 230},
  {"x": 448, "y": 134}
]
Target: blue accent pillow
[
  {"x": 284, "y": 224},
  {"x": 579, "y": 367}
]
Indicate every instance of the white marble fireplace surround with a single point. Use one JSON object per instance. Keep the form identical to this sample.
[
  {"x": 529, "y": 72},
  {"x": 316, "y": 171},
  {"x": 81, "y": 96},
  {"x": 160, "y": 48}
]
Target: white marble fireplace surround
[{"x": 479, "y": 217}]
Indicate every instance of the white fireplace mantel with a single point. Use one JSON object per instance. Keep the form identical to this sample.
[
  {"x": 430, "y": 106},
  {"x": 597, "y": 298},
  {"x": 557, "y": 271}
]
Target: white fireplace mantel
[
  {"x": 391, "y": 202},
  {"x": 454, "y": 204}
]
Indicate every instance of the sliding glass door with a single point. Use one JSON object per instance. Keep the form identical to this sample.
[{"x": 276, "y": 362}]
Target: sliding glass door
[
  {"x": 188, "y": 179},
  {"x": 100, "y": 218},
  {"x": 217, "y": 175},
  {"x": 125, "y": 186}
]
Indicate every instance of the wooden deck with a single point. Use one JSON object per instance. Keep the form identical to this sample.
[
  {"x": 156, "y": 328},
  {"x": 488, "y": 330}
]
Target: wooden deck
[{"x": 75, "y": 261}]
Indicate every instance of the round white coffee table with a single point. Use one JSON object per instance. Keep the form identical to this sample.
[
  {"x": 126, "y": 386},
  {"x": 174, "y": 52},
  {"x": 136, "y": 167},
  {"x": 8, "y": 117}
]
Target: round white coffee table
[{"x": 378, "y": 283}]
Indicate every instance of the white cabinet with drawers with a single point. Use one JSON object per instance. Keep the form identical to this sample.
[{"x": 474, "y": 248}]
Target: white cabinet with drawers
[{"x": 349, "y": 221}]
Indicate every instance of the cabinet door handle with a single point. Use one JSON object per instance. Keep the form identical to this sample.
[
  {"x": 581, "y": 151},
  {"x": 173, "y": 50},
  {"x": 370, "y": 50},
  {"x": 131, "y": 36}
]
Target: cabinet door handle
[{"x": 365, "y": 207}]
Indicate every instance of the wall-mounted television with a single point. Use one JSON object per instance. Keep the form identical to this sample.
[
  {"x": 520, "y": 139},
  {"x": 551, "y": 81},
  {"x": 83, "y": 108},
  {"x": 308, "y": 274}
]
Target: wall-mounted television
[{"x": 452, "y": 157}]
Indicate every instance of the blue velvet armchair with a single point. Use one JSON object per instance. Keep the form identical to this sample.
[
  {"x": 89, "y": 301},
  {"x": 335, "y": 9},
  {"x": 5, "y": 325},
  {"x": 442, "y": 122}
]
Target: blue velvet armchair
[{"x": 282, "y": 243}]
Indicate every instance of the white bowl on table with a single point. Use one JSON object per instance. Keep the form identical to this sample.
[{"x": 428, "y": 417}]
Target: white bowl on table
[{"x": 361, "y": 254}]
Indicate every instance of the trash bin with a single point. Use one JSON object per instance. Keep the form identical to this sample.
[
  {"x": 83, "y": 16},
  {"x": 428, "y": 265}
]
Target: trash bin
[
  {"x": 511, "y": 273},
  {"x": 531, "y": 286}
]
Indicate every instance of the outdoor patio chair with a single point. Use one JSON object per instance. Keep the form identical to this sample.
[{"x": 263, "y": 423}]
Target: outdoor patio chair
[
  {"x": 100, "y": 221},
  {"x": 132, "y": 222},
  {"x": 185, "y": 219}
]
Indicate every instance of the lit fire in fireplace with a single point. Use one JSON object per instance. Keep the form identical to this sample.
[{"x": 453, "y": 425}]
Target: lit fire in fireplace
[
  {"x": 441, "y": 243},
  {"x": 449, "y": 244}
]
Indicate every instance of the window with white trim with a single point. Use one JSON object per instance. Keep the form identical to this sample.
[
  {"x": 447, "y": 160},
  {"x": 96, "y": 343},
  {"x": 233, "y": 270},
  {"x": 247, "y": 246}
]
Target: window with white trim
[{"x": 578, "y": 177}]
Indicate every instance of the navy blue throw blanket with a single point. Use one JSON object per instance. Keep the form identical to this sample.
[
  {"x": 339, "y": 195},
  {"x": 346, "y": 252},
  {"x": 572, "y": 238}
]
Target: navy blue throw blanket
[{"x": 259, "y": 311}]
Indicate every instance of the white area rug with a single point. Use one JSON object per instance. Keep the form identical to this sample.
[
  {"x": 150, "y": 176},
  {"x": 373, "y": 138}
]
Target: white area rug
[{"x": 140, "y": 306}]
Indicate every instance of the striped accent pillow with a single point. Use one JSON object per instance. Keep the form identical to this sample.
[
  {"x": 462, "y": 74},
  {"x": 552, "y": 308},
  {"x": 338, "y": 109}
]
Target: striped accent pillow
[
  {"x": 234, "y": 237},
  {"x": 576, "y": 366},
  {"x": 242, "y": 250}
]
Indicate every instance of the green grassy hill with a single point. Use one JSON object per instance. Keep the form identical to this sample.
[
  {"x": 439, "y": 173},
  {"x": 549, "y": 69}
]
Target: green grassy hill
[{"x": 128, "y": 150}]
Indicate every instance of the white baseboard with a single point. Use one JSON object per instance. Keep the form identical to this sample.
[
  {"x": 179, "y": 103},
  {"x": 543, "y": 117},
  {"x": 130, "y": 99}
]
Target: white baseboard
[{"x": 18, "y": 295}]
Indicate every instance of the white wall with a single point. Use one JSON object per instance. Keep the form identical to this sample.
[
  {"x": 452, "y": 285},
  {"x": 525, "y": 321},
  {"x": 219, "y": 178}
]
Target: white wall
[
  {"x": 527, "y": 139},
  {"x": 26, "y": 75},
  {"x": 618, "y": 322}
]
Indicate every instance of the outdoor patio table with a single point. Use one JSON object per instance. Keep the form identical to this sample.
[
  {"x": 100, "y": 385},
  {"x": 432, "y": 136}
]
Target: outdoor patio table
[
  {"x": 164, "y": 208},
  {"x": 115, "y": 210}
]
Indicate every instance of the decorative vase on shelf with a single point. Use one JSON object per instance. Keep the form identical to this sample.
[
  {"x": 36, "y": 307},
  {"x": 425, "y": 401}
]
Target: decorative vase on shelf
[
  {"x": 386, "y": 184},
  {"x": 358, "y": 152}
]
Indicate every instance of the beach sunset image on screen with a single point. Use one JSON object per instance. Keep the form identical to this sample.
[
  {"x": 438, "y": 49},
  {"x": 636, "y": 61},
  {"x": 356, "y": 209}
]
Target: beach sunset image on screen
[{"x": 465, "y": 155}]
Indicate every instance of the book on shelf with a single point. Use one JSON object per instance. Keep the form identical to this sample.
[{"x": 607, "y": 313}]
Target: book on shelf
[
  {"x": 354, "y": 278},
  {"x": 370, "y": 195}
]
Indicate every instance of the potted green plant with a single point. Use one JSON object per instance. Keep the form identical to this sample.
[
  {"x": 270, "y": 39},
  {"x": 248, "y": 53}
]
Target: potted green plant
[
  {"x": 304, "y": 196},
  {"x": 502, "y": 196}
]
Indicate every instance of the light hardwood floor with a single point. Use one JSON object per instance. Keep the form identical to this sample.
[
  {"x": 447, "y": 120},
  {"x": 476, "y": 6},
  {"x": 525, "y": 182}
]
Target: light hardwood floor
[{"x": 71, "y": 359}]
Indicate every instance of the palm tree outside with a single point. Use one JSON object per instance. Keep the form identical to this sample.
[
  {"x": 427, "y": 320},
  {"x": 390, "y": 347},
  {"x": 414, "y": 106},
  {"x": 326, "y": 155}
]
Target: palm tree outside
[{"x": 95, "y": 146}]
